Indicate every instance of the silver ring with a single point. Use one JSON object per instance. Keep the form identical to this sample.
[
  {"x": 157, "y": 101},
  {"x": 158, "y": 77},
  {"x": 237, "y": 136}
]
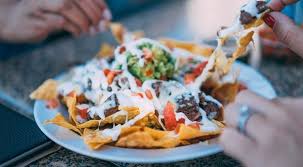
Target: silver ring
[{"x": 245, "y": 114}]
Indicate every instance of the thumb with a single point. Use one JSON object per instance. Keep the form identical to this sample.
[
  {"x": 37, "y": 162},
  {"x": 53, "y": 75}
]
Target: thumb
[{"x": 286, "y": 31}]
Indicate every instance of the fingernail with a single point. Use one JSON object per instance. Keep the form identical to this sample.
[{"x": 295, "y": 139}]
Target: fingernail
[
  {"x": 107, "y": 15},
  {"x": 269, "y": 20},
  {"x": 102, "y": 26}
]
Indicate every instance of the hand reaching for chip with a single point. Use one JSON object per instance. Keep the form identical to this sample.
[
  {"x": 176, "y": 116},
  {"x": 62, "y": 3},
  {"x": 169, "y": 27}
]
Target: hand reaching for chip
[
  {"x": 284, "y": 28},
  {"x": 34, "y": 20},
  {"x": 273, "y": 133}
]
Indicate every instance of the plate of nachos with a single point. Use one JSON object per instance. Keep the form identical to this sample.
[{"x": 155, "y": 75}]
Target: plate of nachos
[{"x": 147, "y": 100}]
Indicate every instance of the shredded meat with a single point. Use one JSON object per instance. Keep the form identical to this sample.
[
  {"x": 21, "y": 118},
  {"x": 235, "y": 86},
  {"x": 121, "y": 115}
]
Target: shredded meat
[
  {"x": 261, "y": 5},
  {"x": 114, "y": 108},
  {"x": 188, "y": 105},
  {"x": 246, "y": 17},
  {"x": 156, "y": 86},
  {"x": 212, "y": 109}
]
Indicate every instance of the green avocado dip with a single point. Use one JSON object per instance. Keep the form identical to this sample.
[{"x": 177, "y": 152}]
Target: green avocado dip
[{"x": 154, "y": 63}]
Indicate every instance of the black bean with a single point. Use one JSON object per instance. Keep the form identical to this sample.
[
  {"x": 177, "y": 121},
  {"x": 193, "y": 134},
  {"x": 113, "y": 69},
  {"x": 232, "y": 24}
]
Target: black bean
[
  {"x": 109, "y": 89},
  {"x": 261, "y": 5},
  {"x": 89, "y": 84}
]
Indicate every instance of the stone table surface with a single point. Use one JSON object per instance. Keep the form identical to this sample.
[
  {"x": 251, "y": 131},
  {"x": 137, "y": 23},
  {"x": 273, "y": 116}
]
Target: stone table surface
[{"x": 21, "y": 74}]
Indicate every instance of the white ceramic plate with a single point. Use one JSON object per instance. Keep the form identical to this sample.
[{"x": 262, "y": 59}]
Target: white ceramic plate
[{"x": 254, "y": 80}]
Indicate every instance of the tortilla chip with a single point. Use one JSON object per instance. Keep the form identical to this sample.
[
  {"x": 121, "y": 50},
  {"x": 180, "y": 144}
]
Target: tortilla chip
[
  {"x": 60, "y": 121},
  {"x": 257, "y": 22},
  {"x": 90, "y": 124},
  {"x": 224, "y": 64},
  {"x": 150, "y": 121},
  {"x": 118, "y": 31},
  {"x": 218, "y": 123},
  {"x": 120, "y": 119},
  {"x": 143, "y": 139},
  {"x": 47, "y": 91},
  {"x": 136, "y": 140},
  {"x": 156, "y": 134},
  {"x": 71, "y": 102},
  {"x": 94, "y": 140},
  {"x": 191, "y": 47},
  {"x": 106, "y": 50},
  {"x": 226, "y": 93},
  {"x": 187, "y": 133},
  {"x": 129, "y": 130}
]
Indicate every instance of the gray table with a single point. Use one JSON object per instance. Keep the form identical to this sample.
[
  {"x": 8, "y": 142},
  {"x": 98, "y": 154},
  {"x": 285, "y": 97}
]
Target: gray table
[{"x": 20, "y": 75}]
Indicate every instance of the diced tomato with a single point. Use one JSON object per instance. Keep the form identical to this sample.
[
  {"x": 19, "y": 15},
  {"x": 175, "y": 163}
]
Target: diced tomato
[
  {"x": 189, "y": 78},
  {"x": 181, "y": 121},
  {"x": 200, "y": 67},
  {"x": 111, "y": 75},
  {"x": 242, "y": 87},
  {"x": 148, "y": 94},
  {"x": 83, "y": 113},
  {"x": 148, "y": 54},
  {"x": 122, "y": 49},
  {"x": 138, "y": 82},
  {"x": 149, "y": 73},
  {"x": 141, "y": 95},
  {"x": 169, "y": 117},
  {"x": 106, "y": 71},
  {"x": 195, "y": 125},
  {"x": 72, "y": 94},
  {"x": 52, "y": 104},
  {"x": 138, "y": 94}
]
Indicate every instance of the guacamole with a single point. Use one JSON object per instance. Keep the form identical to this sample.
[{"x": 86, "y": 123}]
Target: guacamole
[{"x": 158, "y": 63}]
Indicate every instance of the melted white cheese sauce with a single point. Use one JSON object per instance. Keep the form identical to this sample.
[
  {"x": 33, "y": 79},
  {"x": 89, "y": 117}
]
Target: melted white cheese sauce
[
  {"x": 91, "y": 81},
  {"x": 237, "y": 27}
]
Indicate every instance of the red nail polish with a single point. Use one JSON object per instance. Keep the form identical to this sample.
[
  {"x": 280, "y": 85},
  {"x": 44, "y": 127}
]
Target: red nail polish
[{"x": 269, "y": 20}]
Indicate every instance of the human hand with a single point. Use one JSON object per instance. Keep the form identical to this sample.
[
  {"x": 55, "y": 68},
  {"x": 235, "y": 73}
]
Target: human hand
[
  {"x": 34, "y": 20},
  {"x": 274, "y": 132},
  {"x": 284, "y": 28}
]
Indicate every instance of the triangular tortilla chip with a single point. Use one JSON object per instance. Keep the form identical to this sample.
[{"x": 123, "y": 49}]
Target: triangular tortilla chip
[
  {"x": 94, "y": 140},
  {"x": 71, "y": 102},
  {"x": 60, "y": 121},
  {"x": 47, "y": 91}
]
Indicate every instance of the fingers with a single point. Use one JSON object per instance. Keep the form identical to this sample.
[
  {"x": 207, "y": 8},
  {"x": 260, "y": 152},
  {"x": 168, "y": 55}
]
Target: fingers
[
  {"x": 255, "y": 125},
  {"x": 91, "y": 10},
  {"x": 257, "y": 102},
  {"x": 80, "y": 15},
  {"x": 272, "y": 111},
  {"x": 55, "y": 6},
  {"x": 278, "y": 5},
  {"x": 77, "y": 17},
  {"x": 237, "y": 145},
  {"x": 98, "y": 13},
  {"x": 54, "y": 22},
  {"x": 286, "y": 31},
  {"x": 100, "y": 4},
  {"x": 72, "y": 28},
  {"x": 103, "y": 7}
]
